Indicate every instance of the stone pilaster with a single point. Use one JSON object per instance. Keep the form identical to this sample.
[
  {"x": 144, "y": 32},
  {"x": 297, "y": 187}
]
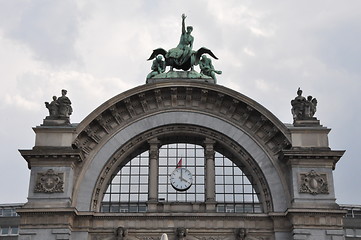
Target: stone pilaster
[
  {"x": 153, "y": 173},
  {"x": 210, "y": 174}
]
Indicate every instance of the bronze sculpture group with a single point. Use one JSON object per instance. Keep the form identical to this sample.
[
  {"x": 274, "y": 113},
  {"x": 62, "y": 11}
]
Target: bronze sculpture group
[{"x": 183, "y": 56}]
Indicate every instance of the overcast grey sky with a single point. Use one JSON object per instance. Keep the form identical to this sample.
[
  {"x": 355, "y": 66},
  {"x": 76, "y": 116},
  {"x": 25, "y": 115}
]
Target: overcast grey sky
[{"x": 98, "y": 49}]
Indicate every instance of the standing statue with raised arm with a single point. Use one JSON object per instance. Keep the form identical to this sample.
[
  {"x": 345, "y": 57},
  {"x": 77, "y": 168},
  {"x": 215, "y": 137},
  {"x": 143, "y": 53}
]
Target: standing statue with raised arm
[
  {"x": 183, "y": 51},
  {"x": 182, "y": 57}
]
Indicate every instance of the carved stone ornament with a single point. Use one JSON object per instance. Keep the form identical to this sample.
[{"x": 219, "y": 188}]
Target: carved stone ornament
[
  {"x": 49, "y": 182},
  {"x": 314, "y": 183}
]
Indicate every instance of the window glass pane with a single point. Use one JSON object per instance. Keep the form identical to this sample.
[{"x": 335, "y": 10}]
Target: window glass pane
[
  {"x": 228, "y": 171},
  {"x": 125, "y": 179},
  {"x": 238, "y": 179},
  {"x": 125, "y": 170},
  {"x": 163, "y": 170},
  {"x": 124, "y": 188},
  {"x": 144, "y": 170},
  {"x": 200, "y": 171},
  {"x": 7, "y": 212},
  {"x": 172, "y": 197},
  {"x": 199, "y": 180},
  {"x": 124, "y": 197},
  {"x": 190, "y": 161},
  {"x": 199, "y": 197},
  {"x": 143, "y": 197},
  {"x": 143, "y": 179},
  {"x": 14, "y": 230},
  {"x": 219, "y": 197},
  {"x": 135, "y": 161},
  {"x": 219, "y": 188},
  {"x": 228, "y": 180},
  {"x": 219, "y": 180},
  {"x": 248, "y": 188},
  {"x": 5, "y": 230},
  {"x": 358, "y": 232},
  {"x": 115, "y": 197}
]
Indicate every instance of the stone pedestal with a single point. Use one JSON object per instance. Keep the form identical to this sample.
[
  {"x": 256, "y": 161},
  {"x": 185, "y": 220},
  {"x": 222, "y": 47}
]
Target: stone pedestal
[
  {"x": 180, "y": 75},
  {"x": 54, "y": 168},
  {"x": 310, "y": 162},
  {"x": 60, "y": 121}
]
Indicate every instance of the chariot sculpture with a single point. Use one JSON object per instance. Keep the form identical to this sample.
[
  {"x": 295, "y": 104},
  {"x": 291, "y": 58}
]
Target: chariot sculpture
[{"x": 182, "y": 57}]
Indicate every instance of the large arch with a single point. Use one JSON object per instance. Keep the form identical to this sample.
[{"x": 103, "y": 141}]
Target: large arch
[
  {"x": 290, "y": 167},
  {"x": 130, "y": 119}
]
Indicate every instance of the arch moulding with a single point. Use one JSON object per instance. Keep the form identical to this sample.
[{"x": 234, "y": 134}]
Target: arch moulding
[{"x": 124, "y": 123}]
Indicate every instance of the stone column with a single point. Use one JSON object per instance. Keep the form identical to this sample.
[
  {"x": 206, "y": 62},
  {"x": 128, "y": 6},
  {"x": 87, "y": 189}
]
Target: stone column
[
  {"x": 153, "y": 173},
  {"x": 210, "y": 175}
]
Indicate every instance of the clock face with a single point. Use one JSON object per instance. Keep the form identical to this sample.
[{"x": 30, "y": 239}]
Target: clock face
[{"x": 181, "y": 179}]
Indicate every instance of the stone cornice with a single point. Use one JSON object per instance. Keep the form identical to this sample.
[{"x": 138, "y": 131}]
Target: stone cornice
[
  {"x": 51, "y": 211},
  {"x": 205, "y": 98},
  {"x": 50, "y": 155},
  {"x": 312, "y": 157}
]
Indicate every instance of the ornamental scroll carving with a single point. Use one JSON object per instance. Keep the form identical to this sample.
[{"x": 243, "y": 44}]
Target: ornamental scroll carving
[
  {"x": 313, "y": 183},
  {"x": 49, "y": 182}
]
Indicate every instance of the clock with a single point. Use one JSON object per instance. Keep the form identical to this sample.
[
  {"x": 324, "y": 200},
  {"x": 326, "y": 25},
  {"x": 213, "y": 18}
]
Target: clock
[{"x": 181, "y": 179}]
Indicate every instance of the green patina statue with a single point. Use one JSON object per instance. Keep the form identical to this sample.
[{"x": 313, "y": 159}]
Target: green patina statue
[
  {"x": 207, "y": 68},
  {"x": 158, "y": 67},
  {"x": 183, "y": 51},
  {"x": 183, "y": 56}
]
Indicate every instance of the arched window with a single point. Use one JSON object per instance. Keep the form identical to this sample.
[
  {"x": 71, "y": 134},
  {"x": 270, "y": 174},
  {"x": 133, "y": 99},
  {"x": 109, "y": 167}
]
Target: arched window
[{"x": 128, "y": 189}]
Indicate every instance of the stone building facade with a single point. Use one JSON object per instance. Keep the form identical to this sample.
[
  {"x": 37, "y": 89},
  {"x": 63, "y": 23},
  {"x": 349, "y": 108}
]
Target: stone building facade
[{"x": 251, "y": 176}]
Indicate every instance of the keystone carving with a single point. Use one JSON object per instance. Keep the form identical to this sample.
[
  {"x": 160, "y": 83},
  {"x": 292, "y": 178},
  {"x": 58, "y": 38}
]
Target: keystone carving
[
  {"x": 313, "y": 183},
  {"x": 49, "y": 182}
]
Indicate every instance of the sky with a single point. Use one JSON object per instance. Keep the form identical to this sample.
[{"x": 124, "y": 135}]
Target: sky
[{"x": 98, "y": 49}]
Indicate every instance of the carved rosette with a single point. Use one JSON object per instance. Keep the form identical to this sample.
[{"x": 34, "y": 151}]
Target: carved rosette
[
  {"x": 313, "y": 183},
  {"x": 49, "y": 182}
]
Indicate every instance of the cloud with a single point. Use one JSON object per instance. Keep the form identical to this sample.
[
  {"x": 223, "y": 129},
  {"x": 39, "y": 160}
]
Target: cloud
[
  {"x": 48, "y": 28},
  {"x": 98, "y": 49}
]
